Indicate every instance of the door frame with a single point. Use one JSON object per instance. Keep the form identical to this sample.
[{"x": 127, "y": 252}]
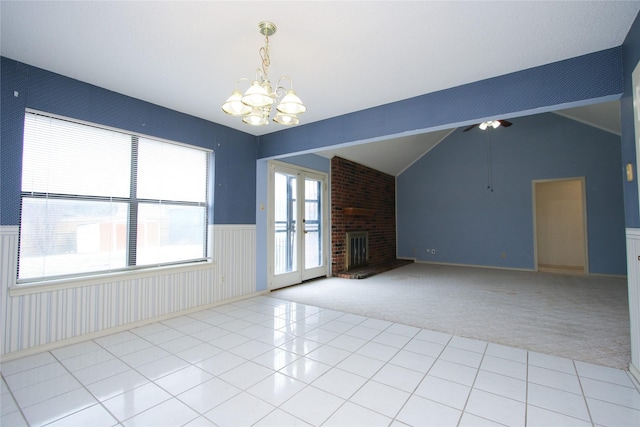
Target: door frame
[
  {"x": 272, "y": 167},
  {"x": 583, "y": 187}
]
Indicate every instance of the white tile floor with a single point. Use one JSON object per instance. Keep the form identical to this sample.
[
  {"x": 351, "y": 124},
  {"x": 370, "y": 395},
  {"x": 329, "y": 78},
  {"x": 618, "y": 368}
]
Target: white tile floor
[{"x": 268, "y": 362}]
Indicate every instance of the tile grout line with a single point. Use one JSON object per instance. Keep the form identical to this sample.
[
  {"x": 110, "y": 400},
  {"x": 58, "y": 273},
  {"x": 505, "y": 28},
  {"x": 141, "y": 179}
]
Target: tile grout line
[
  {"x": 466, "y": 402},
  {"x": 214, "y": 376},
  {"x": 393, "y": 418},
  {"x": 153, "y": 381},
  {"x": 367, "y": 379},
  {"x": 584, "y": 396},
  {"x": 306, "y": 385},
  {"x": 526, "y": 391},
  {"x": 149, "y": 381},
  {"x": 99, "y": 402},
  {"x": 426, "y": 373},
  {"x": 24, "y": 417}
]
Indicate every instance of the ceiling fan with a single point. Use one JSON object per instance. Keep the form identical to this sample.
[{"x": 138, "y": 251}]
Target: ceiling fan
[
  {"x": 491, "y": 123},
  {"x": 484, "y": 126}
]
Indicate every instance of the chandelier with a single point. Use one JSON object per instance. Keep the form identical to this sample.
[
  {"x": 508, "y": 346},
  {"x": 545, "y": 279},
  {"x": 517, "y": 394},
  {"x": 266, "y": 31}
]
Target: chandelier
[{"x": 255, "y": 105}]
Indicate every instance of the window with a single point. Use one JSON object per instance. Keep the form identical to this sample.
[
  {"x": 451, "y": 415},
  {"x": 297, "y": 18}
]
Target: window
[{"x": 100, "y": 200}]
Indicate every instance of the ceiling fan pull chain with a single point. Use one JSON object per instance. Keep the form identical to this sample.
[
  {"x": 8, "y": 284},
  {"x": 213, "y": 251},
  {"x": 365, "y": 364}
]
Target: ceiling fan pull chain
[{"x": 489, "y": 164}]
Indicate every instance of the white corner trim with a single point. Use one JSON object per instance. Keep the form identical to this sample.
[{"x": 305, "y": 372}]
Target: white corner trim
[
  {"x": 633, "y": 233},
  {"x": 10, "y": 230}
]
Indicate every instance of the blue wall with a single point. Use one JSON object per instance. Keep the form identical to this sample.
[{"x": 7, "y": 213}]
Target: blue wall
[
  {"x": 235, "y": 152},
  {"x": 631, "y": 56},
  {"x": 577, "y": 81},
  {"x": 444, "y": 201},
  {"x": 309, "y": 161}
]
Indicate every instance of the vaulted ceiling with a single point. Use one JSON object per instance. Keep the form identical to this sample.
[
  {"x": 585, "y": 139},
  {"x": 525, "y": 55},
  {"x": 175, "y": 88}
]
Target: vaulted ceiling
[{"x": 392, "y": 156}]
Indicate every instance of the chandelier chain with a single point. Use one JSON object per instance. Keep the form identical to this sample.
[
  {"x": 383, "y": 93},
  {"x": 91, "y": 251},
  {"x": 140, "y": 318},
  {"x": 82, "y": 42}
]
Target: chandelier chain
[{"x": 266, "y": 60}]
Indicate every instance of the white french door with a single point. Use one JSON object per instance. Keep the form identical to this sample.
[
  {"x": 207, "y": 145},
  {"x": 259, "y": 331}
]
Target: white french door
[{"x": 297, "y": 225}]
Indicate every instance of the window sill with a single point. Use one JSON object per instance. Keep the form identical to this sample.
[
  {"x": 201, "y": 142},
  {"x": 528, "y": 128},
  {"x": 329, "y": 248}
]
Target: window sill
[{"x": 99, "y": 279}]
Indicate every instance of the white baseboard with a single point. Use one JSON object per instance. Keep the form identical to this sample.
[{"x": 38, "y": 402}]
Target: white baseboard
[
  {"x": 635, "y": 374},
  {"x": 493, "y": 267}
]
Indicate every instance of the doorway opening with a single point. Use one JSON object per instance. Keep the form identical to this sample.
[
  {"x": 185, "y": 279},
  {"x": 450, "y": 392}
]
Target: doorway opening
[{"x": 560, "y": 226}]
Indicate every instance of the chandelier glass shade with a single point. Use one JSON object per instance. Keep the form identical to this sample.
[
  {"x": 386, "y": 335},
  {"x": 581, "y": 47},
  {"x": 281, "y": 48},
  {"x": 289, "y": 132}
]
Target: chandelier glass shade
[
  {"x": 234, "y": 105},
  {"x": 286, "y": 119},
  {"x": 255, "y": 105}
]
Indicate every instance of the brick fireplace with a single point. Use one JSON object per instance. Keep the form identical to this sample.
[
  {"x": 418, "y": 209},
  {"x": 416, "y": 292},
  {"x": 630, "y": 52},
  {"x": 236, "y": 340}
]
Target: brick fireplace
[{"x": 362, "y": 200}]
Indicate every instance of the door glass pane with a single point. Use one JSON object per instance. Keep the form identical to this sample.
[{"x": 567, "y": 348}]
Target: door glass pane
[
  {"x": 285, "y": 223},
  {"x": 312, "y": 223}
]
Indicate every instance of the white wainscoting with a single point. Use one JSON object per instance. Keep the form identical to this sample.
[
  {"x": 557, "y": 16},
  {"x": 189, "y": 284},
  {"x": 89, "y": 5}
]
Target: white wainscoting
[
  {"x": 43, "y": 318},
  {"x": 633, "y": 278}
]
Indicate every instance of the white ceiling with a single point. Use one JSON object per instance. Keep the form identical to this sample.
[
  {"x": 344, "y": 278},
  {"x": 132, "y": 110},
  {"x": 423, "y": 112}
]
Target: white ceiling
[
  {"x": 343, "y": 56},
  {"x": 391, "y": 156}
]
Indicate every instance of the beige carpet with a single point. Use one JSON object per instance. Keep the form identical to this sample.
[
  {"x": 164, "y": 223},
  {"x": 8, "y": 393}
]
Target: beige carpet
[{"x": 582, "y": 318}]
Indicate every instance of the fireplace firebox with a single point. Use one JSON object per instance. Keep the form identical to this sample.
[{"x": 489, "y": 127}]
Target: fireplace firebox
[{"x": 357, "y": 249}]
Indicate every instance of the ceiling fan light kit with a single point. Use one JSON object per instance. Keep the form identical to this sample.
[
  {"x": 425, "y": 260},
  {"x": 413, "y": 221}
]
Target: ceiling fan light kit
[
  {"x": 255, "y": 105},
  {"x": 494, "y": 124}
]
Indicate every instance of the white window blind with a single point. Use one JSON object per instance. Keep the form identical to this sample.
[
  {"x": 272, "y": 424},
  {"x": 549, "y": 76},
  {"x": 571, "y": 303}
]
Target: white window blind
[
  {"x": 171, "y": 172},
  {"x": 67, "y": 158},
  {"x": 98, "y": 200}
]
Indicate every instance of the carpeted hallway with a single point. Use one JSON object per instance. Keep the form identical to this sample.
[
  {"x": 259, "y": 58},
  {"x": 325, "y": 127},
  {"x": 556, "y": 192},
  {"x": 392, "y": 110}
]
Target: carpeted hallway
[{"x": 582, "y": 318}]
